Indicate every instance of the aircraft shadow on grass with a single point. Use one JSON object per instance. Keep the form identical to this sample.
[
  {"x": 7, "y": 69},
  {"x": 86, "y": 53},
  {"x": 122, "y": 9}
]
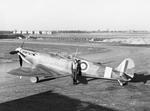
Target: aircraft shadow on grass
[
  {"x": 143, "y": 76},
  {"x": 49, "y": 101},
  {"x": 85, "y": 80}
]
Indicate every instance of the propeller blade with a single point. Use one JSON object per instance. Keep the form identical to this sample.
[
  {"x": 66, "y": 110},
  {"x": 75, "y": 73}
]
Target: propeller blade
[
  {"x": 20, "y": 60},
  {"x": 13, "y": 52},
  {"x": 22, "y": 44}
]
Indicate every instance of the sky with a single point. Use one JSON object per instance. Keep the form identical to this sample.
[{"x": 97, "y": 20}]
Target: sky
[{"x": 75, "y": 14}]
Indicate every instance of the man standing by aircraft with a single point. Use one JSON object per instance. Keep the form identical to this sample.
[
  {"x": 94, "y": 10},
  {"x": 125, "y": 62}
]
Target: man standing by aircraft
[
  {"x": 76, "y": 70},
  {"x": 79, "y": 68}
]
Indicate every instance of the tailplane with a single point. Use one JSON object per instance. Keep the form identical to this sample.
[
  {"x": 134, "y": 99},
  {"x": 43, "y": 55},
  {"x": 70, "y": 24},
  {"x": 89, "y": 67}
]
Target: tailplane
[{"x": 126, "y": 68}]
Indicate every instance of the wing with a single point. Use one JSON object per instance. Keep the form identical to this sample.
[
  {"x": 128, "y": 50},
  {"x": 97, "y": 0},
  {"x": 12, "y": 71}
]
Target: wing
[
  {"x": 91, "y": 76},
  {"x": 39, "y": 71}
]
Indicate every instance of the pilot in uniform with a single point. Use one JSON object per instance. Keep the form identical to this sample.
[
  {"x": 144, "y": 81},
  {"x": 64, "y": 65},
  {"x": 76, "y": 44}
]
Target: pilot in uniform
[
  {"x": 74, "y": 71},
  {"x": 79, "y": 68}
]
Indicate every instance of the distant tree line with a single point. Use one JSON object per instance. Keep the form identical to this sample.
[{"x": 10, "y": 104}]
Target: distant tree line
[
  {"x": 100, "y": 31},
  {"x": 69, "y": 31},
  {"x": 10, "y": 36},
  {"x": 6, "y": 32}
]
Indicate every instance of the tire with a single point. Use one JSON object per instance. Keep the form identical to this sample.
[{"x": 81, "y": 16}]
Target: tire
[{"x": 34, "y": 79}]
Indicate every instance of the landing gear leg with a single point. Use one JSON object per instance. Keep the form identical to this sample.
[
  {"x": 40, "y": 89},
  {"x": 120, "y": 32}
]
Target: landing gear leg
[
  {"x": 34, "y": 79},
  {"x": 122, "y": 83}
]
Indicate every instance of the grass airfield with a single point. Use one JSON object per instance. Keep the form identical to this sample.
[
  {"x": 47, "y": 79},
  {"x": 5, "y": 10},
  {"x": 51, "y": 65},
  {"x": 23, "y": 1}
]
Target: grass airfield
[{"x": 60, "y": 94}]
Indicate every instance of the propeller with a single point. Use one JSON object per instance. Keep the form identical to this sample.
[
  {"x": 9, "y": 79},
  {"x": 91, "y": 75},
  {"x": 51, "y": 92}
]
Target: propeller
[
  {"x": 15, "y": 52},
  {"x": 22, "y": 44},
  {"x": 20, "y": 61}
]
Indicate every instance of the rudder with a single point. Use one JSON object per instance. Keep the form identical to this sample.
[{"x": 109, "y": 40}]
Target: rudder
[{"x": 126, "y": 67}]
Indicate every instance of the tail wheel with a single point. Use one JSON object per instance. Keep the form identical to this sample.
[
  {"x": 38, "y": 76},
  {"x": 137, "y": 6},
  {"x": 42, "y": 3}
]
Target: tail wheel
[
  {"x": 122, "y": 83},
  {"x": 34, "y": 79}
]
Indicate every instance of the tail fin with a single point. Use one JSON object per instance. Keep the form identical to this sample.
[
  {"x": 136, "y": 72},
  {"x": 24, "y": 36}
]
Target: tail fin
[{"x": 126, "y": 67}]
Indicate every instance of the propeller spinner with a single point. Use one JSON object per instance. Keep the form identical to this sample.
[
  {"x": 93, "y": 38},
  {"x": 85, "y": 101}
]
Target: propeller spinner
[{"x": 13, "y": 52}]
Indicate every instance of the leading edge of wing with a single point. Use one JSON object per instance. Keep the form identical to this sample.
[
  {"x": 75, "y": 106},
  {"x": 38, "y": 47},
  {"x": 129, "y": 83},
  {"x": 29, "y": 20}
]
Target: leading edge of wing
[{"x": 39, "y": 70}]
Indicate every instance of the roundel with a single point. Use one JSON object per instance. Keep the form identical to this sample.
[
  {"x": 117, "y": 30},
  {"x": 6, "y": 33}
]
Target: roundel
[{"x": 84, "y": 65}]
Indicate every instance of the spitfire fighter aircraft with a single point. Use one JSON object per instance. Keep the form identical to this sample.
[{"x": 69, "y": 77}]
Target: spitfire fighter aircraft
[{"x": 55, "y": 65}]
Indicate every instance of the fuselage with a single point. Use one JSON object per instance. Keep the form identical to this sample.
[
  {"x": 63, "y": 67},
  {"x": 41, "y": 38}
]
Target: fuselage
[
  {"x": 57, "y": 62},
  {"x": 51, "y": 60}
]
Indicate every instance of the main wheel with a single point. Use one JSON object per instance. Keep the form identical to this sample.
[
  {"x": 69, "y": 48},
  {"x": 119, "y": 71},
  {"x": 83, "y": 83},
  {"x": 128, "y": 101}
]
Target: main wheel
[{"x": 34, "y": 79}]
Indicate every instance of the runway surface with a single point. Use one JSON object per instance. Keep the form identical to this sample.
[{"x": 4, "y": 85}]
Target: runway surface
[{"x": 60, "y": 94}]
